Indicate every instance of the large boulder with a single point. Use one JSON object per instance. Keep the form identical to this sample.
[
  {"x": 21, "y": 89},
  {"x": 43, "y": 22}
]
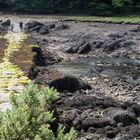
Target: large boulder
[
  {"x": 60, "y": 81},
  {"x": 35, "y": 26},
  {"x": 82, "y": 47},
  {"x": 111, "y": 45},
  {"x": 32, "y": 24},
  {"x": 7, "y": 22},
  {"x": 38, "y": 58},
  {"x": 45, "y": 57},
  {"x": 51, "y": 57}
]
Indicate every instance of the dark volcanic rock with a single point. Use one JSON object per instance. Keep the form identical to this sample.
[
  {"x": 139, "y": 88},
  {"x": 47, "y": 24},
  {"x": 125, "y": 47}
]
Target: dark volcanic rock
[
  {"x": 132, "y": 106},
  {"x": 35, "y": 26},
  {"x": 116, "y": 35},
  {"x": 85, "y": 48},
  {"x": 36, "y": 29},
  {"x": 95, "y": 123},
  {"x": 80, "y": 111},
  {"x": 59, "y": 81},
  {"x": 51, "y": 26},
  {"x": 7, "y": 22},
  {"x": 97, "y": 44},
  {"x": 128, "y": 43},
  {"x": 3, "y": 29},
  {"x": 81, "y": 48},
  {"x": 38, "y": 58},
  {"x": 104, "y": 116},
  {"x": 42, "y": 41},
  {"x": 50, "y": 57},
  {"x": 44, "y": 30},
  {"x": 72, "y": 49},
  {"x": 68, "y": 83},
  {"x": 110, "y": 46},
  {"x": 88, "y": 101},
  {"x": 83, "y": 120},
  {"x": 119, "y": 115},
  {"x": 45, "y": 57},
  {"x": 129, "y": 133},
  {"x": 31, "y": 24},
  {"x": 62, "y": 27}
]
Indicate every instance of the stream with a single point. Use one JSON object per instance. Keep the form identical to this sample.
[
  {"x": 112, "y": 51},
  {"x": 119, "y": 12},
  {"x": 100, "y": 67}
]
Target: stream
[{"x": 95, "y": 66}]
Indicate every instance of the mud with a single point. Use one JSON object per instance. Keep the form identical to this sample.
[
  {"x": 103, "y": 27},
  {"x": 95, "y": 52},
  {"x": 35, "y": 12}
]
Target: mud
[
  {"x": 3, "y": 45},
  {"x": 24, "y": 57}
]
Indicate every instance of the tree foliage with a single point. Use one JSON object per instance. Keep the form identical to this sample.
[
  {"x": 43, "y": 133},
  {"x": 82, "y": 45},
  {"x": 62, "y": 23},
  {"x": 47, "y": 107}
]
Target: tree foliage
[{"x": 100, "y": 7}]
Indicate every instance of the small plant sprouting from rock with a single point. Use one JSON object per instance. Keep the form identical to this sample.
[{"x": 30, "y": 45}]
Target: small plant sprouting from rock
[{"x": 30, "y": 118}]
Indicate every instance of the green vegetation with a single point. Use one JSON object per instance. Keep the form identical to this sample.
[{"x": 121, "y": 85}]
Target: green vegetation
[
  {"x": 11, "y": 77},
  {"x": 31, "y": 117},
  {"x": 98, "y": 7},
  {"x": 117, "y": 19}
]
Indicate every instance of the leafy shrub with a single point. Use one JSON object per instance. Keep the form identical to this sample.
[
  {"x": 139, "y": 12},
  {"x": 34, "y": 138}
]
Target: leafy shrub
[{"x": 30, "y": 117}]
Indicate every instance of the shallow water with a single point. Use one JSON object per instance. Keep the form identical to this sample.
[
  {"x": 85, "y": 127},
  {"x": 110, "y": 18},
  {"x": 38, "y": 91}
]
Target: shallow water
[{"x": 98, "y": 65}]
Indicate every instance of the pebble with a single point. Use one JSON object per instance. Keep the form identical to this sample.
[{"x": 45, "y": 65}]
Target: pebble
[{"x": 9, "y": 73}]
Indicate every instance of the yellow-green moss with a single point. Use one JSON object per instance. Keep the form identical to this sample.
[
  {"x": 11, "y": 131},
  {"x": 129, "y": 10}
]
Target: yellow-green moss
[{"x": 11, "y": 77}]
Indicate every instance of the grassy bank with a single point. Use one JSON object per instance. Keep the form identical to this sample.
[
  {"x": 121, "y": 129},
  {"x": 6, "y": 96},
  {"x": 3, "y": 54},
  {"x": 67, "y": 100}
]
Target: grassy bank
[{"x": 116, "y": 19}]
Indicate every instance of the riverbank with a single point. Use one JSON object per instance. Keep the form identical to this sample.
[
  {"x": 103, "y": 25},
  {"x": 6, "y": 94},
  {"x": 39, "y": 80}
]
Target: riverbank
[{"x": 95, "y": 67}]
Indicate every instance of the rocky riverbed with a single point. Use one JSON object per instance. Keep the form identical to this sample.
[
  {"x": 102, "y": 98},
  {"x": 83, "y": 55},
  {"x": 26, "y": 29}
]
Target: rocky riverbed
[{"x": 95, "y": 67}]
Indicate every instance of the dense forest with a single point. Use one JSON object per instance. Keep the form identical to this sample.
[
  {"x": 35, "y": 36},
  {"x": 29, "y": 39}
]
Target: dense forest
[{"x": 98, "y": 7}]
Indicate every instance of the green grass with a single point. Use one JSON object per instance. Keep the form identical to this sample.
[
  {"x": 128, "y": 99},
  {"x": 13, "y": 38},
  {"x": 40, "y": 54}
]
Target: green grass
[
  {"x": 116, "y": 19},
  {"x": 84, "y": 18}
]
